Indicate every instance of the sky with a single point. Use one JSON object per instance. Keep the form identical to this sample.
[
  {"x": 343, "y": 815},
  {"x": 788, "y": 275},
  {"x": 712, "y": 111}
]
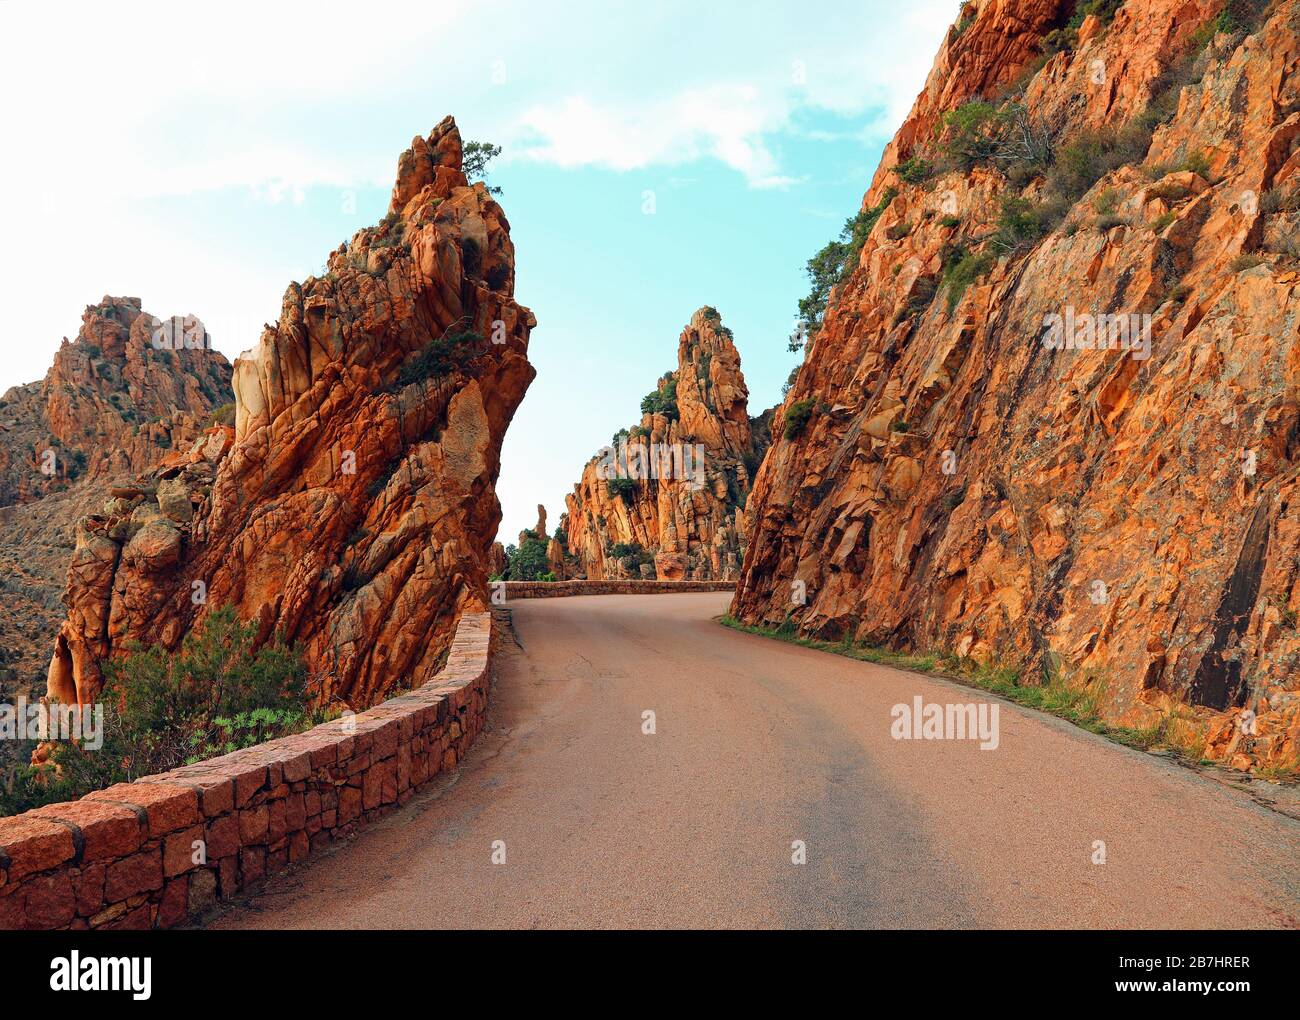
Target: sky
[{"x": 656, "y": 158}]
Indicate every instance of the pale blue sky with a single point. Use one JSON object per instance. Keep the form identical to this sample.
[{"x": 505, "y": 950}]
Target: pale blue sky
[{"x": 202, "y": 159}]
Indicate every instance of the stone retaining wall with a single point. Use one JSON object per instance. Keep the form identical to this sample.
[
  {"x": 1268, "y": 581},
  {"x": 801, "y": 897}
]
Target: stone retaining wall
[
  {"x": 154, "y": 852},
  {"x": 555, "y": 589}
]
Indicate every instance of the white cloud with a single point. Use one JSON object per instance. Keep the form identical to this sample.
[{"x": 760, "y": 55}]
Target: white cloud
[
  {"x": 781, "y": 181},
  {"x": 733, "y": 120},
  {"x": 725, "y": 121}
]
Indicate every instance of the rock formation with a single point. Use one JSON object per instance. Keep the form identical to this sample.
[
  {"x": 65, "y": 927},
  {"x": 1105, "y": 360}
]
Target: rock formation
[
  {"x": 691, "y": 461},
  {"x": 496, "y": 560},
  {"x": 351, "y": 506},
  {"x": 117, "y": 399},
  {"x": 115, "y": 396},
  {"x": 959, "y": 474}
]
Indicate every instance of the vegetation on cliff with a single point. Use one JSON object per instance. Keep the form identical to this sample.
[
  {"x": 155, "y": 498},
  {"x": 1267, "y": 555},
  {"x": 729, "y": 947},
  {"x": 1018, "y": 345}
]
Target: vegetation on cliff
[
  {"x": 218, "y": 693},
  {"x": 666, "y": 499}
]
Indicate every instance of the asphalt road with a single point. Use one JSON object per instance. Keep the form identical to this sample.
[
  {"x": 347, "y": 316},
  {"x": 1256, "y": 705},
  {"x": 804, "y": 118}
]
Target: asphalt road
[{"x": 759, "y": 744}]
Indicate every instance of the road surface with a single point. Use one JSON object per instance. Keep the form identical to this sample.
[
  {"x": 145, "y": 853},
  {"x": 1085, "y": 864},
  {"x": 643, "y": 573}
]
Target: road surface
[{"x": 759, "y": 744}]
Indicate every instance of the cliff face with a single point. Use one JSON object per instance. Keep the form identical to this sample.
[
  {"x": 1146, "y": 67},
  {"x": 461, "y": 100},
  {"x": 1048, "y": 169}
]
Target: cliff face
[
  {"x": 667, "y": 499},
  {"x": 975, "y": 472},
  {"x": 351, "y": 506},
  {"x": 113, "y": 403}
]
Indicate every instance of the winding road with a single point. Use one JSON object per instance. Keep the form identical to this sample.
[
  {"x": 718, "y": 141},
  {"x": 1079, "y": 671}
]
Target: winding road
[{"x": 758, "y": 744}]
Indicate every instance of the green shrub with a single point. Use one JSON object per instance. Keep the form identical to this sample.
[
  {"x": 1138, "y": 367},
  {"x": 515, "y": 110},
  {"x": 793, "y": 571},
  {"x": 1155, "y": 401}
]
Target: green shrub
[
  {"x": 632, "y": 555},
  {"x": 1059, "y": 40},
  {"x": 440, "y": 357},
  {"x": 960, "y": 270},
  {"x": 1020, "y": 223},
  {"x": 1002, "y": 134},
  {"x": 1197, "y": 163},
  {"x": 164, "y": 709},
  {"x": 474, "y": 162},
  {"x": 662, "y": 400},
  {"x": 527, "y": 562},
  {"x": 831, "y": 265},
  {"x": 1066, "y": 37},
  {"x": 75, "y": 463},
  {"x": 914, "y": 170},
  {"x": 1275, "y": 201},
  {"x": 471, "y": 256},
  {"x": 1093, "y": 154},
  {"x": 965, "y": 18},
  {"x": 620, "y": 488},
  {"x": 223, "y": 415},
  {"x": 971, "y": 133},
  {"x": 796, "y": 417},
  {"x": 1237, "y": 16},
  {"x": 389, "y": 233}
]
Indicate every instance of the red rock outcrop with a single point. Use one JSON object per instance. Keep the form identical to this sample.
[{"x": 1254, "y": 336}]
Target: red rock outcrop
[
  {"x": 113, "y": 403},
  {"x": 114, "y": 397},
  {"x": 963, "y": 483},
  {"x": 351, "y": 506},
  {"x": 680, "y": 514}
]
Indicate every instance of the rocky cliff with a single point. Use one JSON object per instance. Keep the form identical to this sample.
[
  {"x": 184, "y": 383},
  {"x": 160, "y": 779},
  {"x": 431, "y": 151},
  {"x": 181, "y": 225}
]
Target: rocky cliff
[
  {"x": 118, "y": 398},
  {"x": 115, "y": 396},
  {"x": 351, "y": 505},
  {"x": 1051, "y": 414},
  {"x": 666, "y": 500}
]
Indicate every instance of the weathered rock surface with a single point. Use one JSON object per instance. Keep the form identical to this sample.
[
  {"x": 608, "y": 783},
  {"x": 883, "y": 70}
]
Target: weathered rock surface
[
  {"x": 111, "y": 405},
  {"x": 961, "y": 486},
  {"x": 111, "y": 401},
  {"x": 690, "y": 524},
  {"x": 351, "y": 506}
]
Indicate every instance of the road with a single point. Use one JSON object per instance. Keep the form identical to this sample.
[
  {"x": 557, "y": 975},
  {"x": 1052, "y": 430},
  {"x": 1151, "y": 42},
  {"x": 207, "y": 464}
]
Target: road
[{"x": 759, "y": 744}]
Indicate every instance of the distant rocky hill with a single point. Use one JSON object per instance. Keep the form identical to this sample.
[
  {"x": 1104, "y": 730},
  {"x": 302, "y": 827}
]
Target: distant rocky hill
[
  {"x": 118, "y": 398},
  {"x": 115, "y": 396},
  {"x": 667, "y": 498}
]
